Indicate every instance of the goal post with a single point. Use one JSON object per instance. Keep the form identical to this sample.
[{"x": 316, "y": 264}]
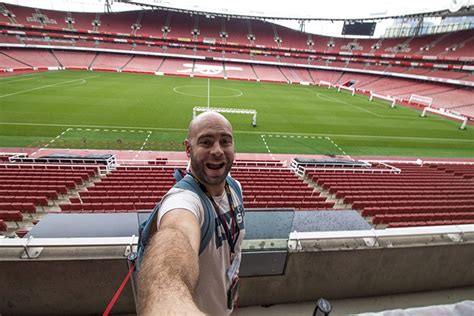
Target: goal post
[
  {"x": 383, "y": 97},
  {"x": 449, "y": 114},
  {"x": 325, "y": 84},
  {"x": 252, "y": 112},
  {"x": 419, "y": 99},
  {"x": 352, "y": 90}
]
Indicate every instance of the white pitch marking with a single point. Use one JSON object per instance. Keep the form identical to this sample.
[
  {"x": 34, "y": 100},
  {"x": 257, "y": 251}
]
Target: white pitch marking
[
  {"x": 143, "y": 146},
  {"x": 259, "y": 132},
  {"x": 266, "y": 145},
  {"x": 51, "y": 141},
  {"x": 44, "y": 87}
]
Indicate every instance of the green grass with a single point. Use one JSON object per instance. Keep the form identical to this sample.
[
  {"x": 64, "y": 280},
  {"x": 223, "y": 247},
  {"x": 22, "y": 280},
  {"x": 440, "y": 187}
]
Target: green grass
[{"x": 95, "y": 110}]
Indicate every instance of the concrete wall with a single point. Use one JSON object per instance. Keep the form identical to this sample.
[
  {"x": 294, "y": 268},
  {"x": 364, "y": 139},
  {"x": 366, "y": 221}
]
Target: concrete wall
[{"x": 71, "y": 281}]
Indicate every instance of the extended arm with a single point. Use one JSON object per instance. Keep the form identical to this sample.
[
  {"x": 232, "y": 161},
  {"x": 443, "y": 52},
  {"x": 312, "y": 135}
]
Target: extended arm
[{"x": 170, "y": 268}]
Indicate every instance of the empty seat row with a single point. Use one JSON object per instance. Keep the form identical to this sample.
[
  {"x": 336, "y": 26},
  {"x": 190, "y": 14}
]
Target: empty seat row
[
  {"x": 37, "y": 200},
  {"x": 115, "y": 199},
  {"x": 15, "y": 206},
  {"x": 412, "y": 203},
  {"x": 431, "y": 223},
  {"x": 289, "y": 204},
  {"x": 371, "y": 211},
  {"x": 28, "y": 187},
  {"x": 50, "y": 194},
  {"x": 37, "y": 183},
  {"x": 124, "y": 193},
  {"x": 11, "y": 216},
  {"x": 405, "y": 197},
  {"x": 388, "y": 218},
  {"x": 126, "y": 206}
]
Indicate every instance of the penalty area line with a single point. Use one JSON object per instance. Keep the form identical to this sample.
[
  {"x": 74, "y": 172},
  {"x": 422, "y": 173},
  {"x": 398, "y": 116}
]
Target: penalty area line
[
  {"x": 144, "y": 144},
  {"x": 266, "y": 145},
  {"x": 51, "y": 141}
]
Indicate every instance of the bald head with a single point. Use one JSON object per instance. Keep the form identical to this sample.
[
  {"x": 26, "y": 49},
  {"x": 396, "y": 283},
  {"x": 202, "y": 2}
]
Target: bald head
[
  {"x": 210, "y": 147},
  {"x": 207, "y": 119}
]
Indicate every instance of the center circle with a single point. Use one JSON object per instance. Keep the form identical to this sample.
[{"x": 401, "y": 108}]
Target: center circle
[{"x": 200, "y": 91}]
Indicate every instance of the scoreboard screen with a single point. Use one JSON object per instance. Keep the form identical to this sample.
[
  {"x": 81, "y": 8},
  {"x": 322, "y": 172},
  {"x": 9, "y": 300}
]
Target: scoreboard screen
[{"x": 359, "y": 28}]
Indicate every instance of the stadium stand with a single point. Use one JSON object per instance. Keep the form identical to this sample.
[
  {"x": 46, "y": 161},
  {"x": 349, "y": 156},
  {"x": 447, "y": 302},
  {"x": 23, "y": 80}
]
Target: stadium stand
[
  {"x": 208, "y": 69},
  {"x": 74, "y": 60},
  {"x": 133, "y": 188},
  {"x": 209, "y": 29},
  {"x": 143, "y": 64},
  {"x": 178, "y": 67},
  {"x": 237, "y": 31},
  {"x": 269, "y": 73},
  {"x": 417, "y": 196},
  {"x": 31, "y": 190},
  {"x": 33, "y": 58},
  {"x": 239, "y": 71},
  {"x": 8, "y": 62},
  {"x": 117, "y": 23},
  {"x": 151, "y": 23},
  {"x": 180, "y": 25},
  {"x": 430, "y": 194},
  {"x": 110, "y": 62}
]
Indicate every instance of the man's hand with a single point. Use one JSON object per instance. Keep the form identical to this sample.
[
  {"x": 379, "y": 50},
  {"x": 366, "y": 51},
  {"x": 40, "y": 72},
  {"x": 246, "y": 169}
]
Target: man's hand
[{"x": 170, "y": 268}]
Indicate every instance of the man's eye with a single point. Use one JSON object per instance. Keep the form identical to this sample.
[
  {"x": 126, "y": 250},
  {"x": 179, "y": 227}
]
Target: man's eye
[
  {"x": 226, "y": 141},
  {"x": 205, "y": 142}
]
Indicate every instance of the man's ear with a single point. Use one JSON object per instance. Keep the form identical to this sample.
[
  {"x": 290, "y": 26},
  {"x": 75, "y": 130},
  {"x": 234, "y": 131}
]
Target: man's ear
[{"x": 187, "y": 147}]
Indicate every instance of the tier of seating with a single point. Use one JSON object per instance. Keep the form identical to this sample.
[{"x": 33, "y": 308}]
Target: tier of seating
[
  {"x": 233, "y": 31},
  {"x": 427, "y": 195},
  {"x": 133, "y": 188},
  {"x": 27, "y": 188},
  {"x": 432, "y": 194}
]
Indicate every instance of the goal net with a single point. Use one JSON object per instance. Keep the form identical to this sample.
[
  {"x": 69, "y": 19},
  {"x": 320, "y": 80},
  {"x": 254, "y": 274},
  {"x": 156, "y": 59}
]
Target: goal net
[
  {"x": 419, "y": 99},
  {"x": 252, "y": 112}
]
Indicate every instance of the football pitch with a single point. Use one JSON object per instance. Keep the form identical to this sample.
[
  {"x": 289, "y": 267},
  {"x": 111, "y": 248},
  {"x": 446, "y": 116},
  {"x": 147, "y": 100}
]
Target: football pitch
[{"x": 102, "y": 110}]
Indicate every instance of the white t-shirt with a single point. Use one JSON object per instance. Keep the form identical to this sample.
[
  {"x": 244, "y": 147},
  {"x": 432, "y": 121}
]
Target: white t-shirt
[{"x": 214, "y": 262}]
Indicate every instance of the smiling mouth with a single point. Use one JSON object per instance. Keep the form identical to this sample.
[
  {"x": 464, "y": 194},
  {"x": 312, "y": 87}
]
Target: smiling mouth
[{"x": 215, "y": 166}]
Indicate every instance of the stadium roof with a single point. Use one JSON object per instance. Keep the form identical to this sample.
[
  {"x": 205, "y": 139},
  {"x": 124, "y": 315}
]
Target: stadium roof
[
  {"x": 318, "y": 10},
  {"x": 276, "y": 9}
]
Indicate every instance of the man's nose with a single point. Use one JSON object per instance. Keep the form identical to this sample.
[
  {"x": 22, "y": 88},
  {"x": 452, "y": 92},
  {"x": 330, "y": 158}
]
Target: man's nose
[{"x": 217, "y": 149}]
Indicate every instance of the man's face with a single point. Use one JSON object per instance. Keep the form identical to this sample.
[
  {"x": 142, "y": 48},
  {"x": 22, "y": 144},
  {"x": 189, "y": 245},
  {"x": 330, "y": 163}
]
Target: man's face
[{"x": 211, "y": 150}]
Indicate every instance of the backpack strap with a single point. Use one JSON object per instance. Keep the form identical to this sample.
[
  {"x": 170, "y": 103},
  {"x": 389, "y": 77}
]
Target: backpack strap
[
  {"x": 208, "y": 226},
  {"x": 236, "y": 188},
  {"x": 150, "y": 225}
]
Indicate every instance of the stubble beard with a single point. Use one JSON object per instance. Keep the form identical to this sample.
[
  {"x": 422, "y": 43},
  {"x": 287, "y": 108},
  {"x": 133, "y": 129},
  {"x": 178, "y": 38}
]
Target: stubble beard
[{"x": 198, "y": 170}]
